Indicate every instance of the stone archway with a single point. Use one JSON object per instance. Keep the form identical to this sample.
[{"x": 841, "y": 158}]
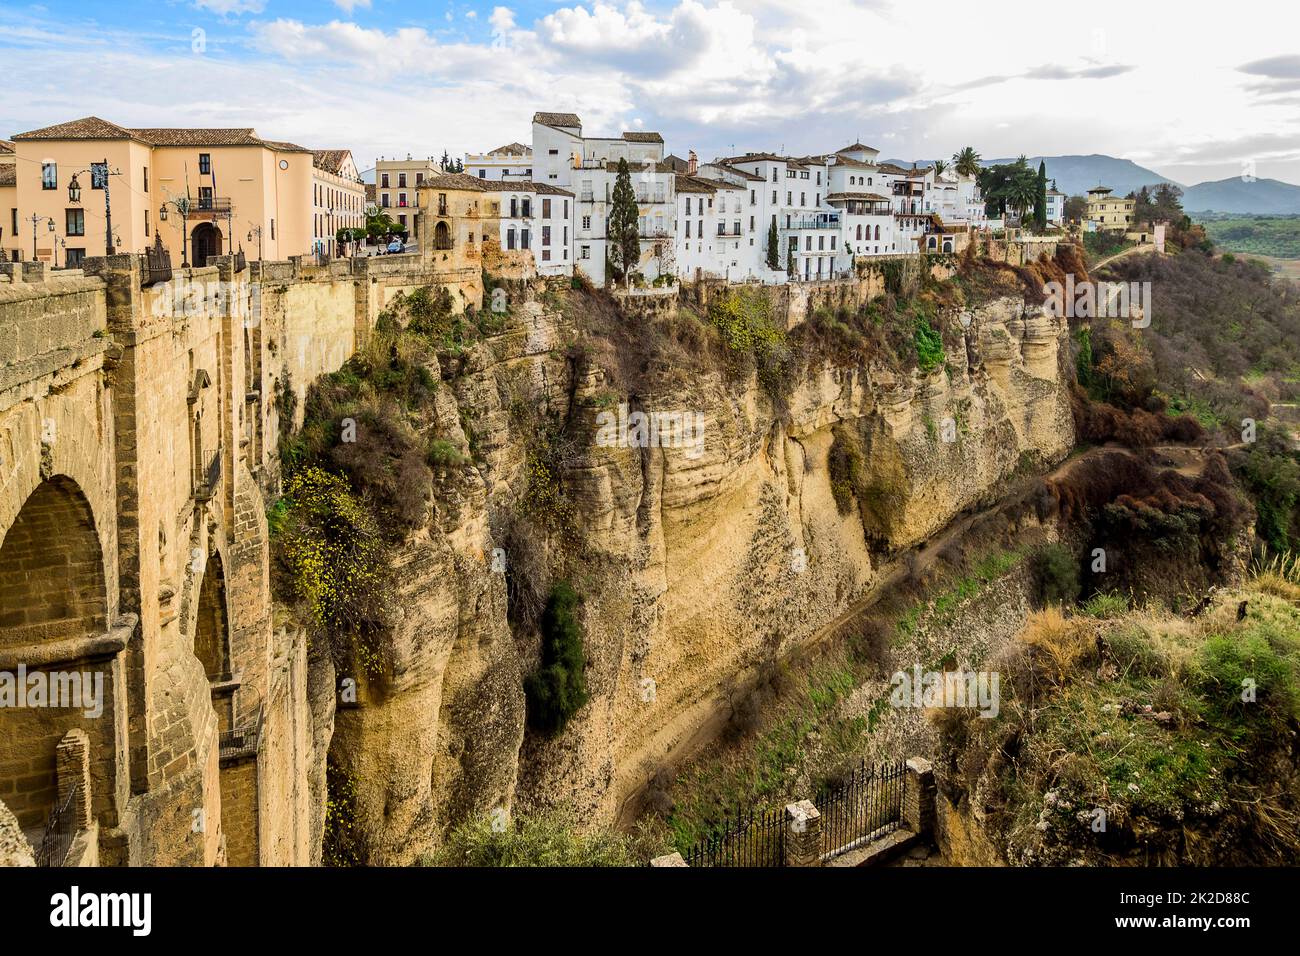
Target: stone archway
[
  {"x": 441, "y": 236},
  {"x": 205, "y": 243},
  {"x": 212, "y": 639},
  {"x": 53, "y": 608}
]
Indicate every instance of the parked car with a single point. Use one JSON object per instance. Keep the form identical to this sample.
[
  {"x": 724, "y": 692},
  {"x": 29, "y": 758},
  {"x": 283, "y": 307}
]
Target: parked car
[{"x": 395, "y": 246}]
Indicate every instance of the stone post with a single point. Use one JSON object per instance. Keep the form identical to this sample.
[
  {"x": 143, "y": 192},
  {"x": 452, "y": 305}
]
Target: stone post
[
  {"x": 803, "y": 834},
  {"x": 72, "y": 760},
  {"x": 918, "y": 796},
  {"x": 670, "y": 859}
]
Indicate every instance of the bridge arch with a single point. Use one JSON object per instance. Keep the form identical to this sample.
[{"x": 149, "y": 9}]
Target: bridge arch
[{"x": 53, "y": 620}]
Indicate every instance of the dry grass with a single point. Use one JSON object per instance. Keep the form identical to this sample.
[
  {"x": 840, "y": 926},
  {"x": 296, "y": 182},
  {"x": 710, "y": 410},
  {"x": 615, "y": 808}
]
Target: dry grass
[{"x": 1059, "y": 642}]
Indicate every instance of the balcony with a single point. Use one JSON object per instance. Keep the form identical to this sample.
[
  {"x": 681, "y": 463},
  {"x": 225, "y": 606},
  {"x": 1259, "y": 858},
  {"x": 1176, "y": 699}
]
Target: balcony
[
  {"x": 814, "y": 222},
  {"x": 210, "y": 207}
]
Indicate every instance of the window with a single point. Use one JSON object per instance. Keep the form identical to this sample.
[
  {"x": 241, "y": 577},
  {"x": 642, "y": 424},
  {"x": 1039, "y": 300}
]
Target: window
[
  {"x": 49, "y": 176},
  {"x": 419, "y": 178},
  {"x": 546, "y": 214},
  {"x": 272, "y": 228},
  {"x": 401, "y": 180},
  {"x": 553, "y": 152},
  {"x": 383, "y": 180},
  {"x": 584, "y": 252},
  {"x": 402, "y": 221},
  {"x": 205, "y": 163},
  {"x": 546, "y": 253},
  {"x": 75, "y": 222},
  {"x": 523, "y": 239},
  {"x": 789, "y": 198},
  {"x": 735, "y": 227},
  {"x": 753, "y": 197},
  {"x": 510, "y": 239},
  {"x": 526, "y": 205},
  {"x": 514, "y": 208},
  {"x": 401, "y": 199},
  {"x": 773, "y": 197},
  {"x": 774, "y": 174},
  {"x": 482, "y": 174},
  {"x": 205, "y": 197},
  {"x": 803, "y": 199},
  {"x": 146, "y": 181},
  {"x": 586, "y": 222},
  {"x": 74, "y": 258},
  {"x": 751, "y": 223},
  {"x": 13, "y": 222},
  {"x": 819, "y": 177},
  {"x": 807, "y": 243},
  {"x": 146, "y": 223},
  {"x": 383, "y": 200},
  {"x": 688, "y": 229},
  {"x": 546, "y": 235}
]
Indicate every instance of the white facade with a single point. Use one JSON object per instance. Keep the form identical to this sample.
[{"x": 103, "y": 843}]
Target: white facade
[
  {"x": 514, "y": 161},
  {"x": 1055, "y": 206},
  {"x": 537, "y": 217},
  {"x": 714, "y": 230},
  {"x": 588, "y": 167}
]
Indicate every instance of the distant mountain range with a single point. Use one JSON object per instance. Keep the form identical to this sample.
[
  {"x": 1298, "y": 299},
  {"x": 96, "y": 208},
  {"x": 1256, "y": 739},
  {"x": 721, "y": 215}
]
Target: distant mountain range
[
  {"x": 1270, "y": 197},
  {"x": 1075, "y": 175}
]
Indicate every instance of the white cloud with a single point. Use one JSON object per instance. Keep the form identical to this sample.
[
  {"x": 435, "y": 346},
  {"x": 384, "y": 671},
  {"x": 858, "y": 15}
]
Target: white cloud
[{"x": 713, "y": 75}]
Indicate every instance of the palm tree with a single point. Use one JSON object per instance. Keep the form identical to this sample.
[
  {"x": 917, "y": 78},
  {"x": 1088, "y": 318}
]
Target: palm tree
[
  {"x": 939, "y": 166},
  {"x": 967, "y": 162},
  {"x": 1022, "y": 192}
]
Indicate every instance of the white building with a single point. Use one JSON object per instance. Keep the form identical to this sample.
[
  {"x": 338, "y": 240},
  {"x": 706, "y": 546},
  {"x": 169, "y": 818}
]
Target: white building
[
  {"x": 537, "y": 216},
  {"x": 1055, "y": 206},
  {"x": 512, "y": 161},
  {"x": 588, "y": 166},
  {"x": 714, "y": 230}
]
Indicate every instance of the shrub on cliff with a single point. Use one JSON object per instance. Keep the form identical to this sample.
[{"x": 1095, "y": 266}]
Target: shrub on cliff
[
  {"x": 558, "y": 689},
  {"x": 1057, "y": 574}
]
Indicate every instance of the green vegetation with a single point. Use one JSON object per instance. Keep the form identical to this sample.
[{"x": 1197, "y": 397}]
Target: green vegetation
[
  {"x": 1105, "y": 604},
  {"x": 546, "y": 839},
  {"x": 1277, "y": 236},
  {"x": 624, "y": 228},
  {"x": 341, "y": 845},
  {"x": 1057, "y": 574},
  {"x": 1167, "y": 724},
  {"x": 558, "y": 689},
  {"x": 929, "y": 346},
  {"x": 752, "y": 338}
]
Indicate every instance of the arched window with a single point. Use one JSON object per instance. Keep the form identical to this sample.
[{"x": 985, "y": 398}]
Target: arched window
[{"x": 859, "y": 230}]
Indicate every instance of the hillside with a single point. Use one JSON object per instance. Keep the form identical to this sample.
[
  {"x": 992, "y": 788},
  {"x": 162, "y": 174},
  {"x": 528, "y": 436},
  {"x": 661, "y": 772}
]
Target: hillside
[
  {"x": 1262, "y": 196},
  {"x": 1075, "y": 175}
]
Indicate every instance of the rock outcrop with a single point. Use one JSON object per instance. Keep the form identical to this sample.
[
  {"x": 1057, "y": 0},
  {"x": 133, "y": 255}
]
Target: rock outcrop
[{"x": 699, "y": 566}]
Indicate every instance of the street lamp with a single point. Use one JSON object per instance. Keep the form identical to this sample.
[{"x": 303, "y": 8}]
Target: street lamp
[
  {"x": 182, "y": 207},
  {"x": 99, "y": 174},
  {"x": 256, "y": 231},
  {"x": 35, "y": 220}
]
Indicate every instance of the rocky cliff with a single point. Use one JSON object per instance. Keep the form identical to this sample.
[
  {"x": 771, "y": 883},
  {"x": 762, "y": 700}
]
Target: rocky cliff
[{"x": 698, "y": 565}]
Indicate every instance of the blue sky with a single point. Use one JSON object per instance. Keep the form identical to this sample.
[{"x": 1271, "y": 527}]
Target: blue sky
[{"x": 1193, "y": 95}]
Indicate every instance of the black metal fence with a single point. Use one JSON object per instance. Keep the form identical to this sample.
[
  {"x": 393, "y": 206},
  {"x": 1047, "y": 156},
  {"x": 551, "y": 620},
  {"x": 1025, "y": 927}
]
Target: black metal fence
[
  {"x": 864, "y": 807},
  {"x": 157, "y": 264},
  {"x": 751, "y": 838},
  {"x": 60, "y": 830}
]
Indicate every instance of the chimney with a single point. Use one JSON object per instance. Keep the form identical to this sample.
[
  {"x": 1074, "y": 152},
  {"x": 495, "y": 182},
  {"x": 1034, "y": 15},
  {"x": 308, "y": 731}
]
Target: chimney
[{"x": 692, "y": 163}]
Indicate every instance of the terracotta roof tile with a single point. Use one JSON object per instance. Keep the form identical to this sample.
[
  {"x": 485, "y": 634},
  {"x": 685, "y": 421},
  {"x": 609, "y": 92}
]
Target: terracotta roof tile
[
  {"x": 635, "y": 137},
  {"x": 8, "y": 175},
  {"x": 558, "y": 119},
  {"x": 511, "y": 149},
  {"x": 6, "y": 146},
  {"x": 330, "y": 160},
  {"x": 88, "y": 127}
]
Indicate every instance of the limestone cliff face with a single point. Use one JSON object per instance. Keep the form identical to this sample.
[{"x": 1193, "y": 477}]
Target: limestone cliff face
[{"x": 698, "y": 569}]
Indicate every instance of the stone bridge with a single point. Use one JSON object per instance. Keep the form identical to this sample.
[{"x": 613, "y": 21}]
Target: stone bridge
[{"x": 138, "y": 435}]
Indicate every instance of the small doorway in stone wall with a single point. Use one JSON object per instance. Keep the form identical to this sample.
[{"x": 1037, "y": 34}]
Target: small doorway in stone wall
[{"x": 206, "y": 242}]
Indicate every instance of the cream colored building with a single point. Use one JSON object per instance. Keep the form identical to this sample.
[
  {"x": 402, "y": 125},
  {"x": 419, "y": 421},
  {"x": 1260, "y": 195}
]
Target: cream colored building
[
  {"x": 8, "y": 201},
  {"x": 203, "y": 192},
  {"x": 396, "y": 185},
  {"x": 338, "y": 199},
  {"x": 1107, "y": 213}
]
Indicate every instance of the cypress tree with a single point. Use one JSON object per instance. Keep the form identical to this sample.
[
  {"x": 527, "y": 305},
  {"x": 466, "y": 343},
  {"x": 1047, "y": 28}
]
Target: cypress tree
[{"x": 624, "y": 240}]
